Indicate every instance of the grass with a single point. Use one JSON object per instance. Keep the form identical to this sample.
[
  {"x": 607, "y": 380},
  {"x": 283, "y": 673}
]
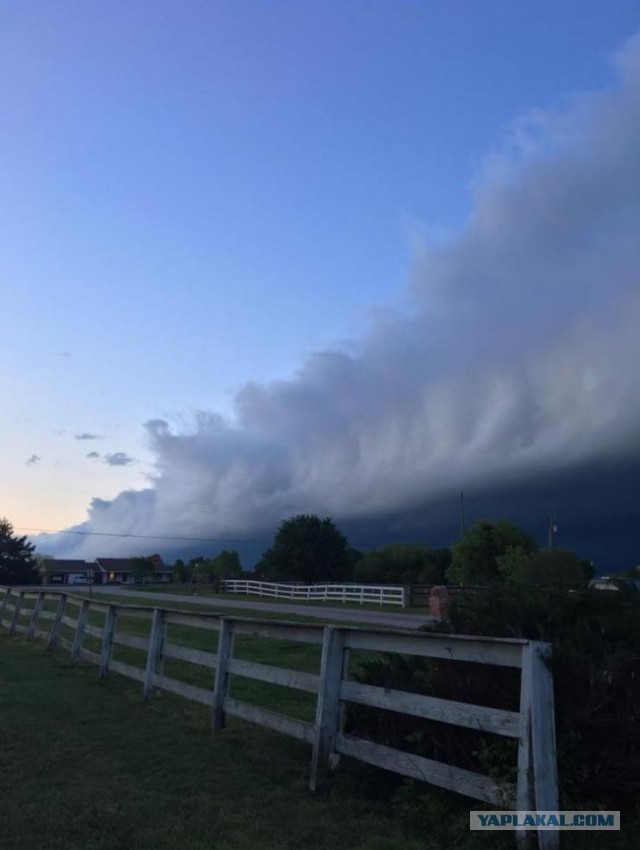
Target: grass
[{"x": 87, "y": 766}]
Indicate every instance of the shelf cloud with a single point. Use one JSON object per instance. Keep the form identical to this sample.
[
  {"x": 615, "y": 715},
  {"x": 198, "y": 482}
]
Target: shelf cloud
[{"x": 519, "y": 358}]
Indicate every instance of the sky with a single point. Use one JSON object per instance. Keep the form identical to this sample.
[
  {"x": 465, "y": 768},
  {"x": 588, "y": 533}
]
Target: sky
[{"x": 348, "y": 258}]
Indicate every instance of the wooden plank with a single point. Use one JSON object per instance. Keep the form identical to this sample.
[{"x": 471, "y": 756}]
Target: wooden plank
[
  {"x": 79, "y": 635},
  {"x": 107, "y": 640},
  {"x": 300, "y": 729},
  {"x": 193, "y": 656},
  {"x": 63, "y": 642},
  {"x": 196, "y": 621},
  {"x": 153, "y": 653},
  {"x": 494, "y": 720},
  {"x": 69, "y": 621},
  {"x": 280, "y": 630},
  {"x": 221, "y": 679},
  {"x": 88, "y": 655},
  {"x": 35, "y": 615},
  {"x": 47, "y": 615},
  {"x": 327, "y": 708},
  {"x": 456, "y": 779},
  {"x": 40, "y": 633},
  {"x": 543, "y": 740},
  {"x": 20, "y": 629},
  {"x": 93, "y": 631},
  {"x": 182, "y": 689},
  {"x": 54, "y": 634},
  {"x": 126, "y": 670},
  {"x": 135, "y": 613},
  {"x": 132, "y": 641},
  {"x": 308, "y": 682},
  {"x": 450, "y": 647},
  {"x": 101, "y": 607}
]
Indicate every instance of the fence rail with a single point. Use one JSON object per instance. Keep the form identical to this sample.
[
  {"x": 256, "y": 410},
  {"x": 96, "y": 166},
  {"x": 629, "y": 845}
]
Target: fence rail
[
  {"x": 360, "y": 593},
  {"x": 23, "y": 612}
]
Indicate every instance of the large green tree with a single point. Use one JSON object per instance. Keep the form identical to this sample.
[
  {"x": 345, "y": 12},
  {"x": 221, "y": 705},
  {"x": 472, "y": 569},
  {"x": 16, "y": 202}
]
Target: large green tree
[
  {"x": 477, "y": 553},
  {"x": 18, "y": 564},
  {"x": 309, "y": 549}
]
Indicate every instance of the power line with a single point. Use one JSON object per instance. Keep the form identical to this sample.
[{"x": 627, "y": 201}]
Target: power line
[{"x": 143, "y": 536}]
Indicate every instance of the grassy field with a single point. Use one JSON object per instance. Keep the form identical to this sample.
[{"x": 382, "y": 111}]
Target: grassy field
[{"x": 87, "y": 766}]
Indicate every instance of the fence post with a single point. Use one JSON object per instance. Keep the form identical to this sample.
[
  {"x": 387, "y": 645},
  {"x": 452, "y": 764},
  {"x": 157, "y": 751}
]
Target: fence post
[
  {"x": 78, "y": 637},
  {"x": 327, "y": 708},
  {"x": 16, "y": 613},
  {"x": 153, "y": 654},
  {"x": 107, "y": 640},
  {"x": 543, "y": 740},
  {"x": 33, "y": 622},
  {"x": 55, "y": 628},
  {"x": 525, "y": 799},
  {"x": 225, "y": 652},
  {"x": 5, "y": 599}
]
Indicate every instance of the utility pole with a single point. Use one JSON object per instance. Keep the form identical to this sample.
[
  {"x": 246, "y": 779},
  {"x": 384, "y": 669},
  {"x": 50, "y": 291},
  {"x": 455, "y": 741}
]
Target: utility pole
[
  {"x": 553, "y": 528},
  {"x": 461, "y": 513}
]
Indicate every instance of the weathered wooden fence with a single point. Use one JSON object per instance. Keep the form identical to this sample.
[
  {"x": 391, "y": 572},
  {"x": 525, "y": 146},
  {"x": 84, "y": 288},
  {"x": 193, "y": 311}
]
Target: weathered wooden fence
[
  {"x": 23, "y": 612},
  {"x": 378, "y": 593}
]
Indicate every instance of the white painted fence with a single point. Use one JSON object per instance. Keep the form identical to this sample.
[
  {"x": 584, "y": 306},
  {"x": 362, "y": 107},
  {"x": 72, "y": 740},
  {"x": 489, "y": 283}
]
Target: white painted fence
[
  {"x": 22, "y": 612},
  {"x": 380, "y": 594}
]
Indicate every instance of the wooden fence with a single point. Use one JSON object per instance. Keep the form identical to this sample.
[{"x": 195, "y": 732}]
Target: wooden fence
[
  {"x": 377, "y": 593},
  {"x": 24, "y": 612}
]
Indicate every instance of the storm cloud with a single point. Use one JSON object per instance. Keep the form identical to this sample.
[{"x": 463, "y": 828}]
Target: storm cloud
[{"x": 517, "y": 365}]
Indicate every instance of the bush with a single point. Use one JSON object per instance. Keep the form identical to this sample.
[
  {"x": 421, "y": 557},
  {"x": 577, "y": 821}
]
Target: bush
[{"x": 596, "y": 668}]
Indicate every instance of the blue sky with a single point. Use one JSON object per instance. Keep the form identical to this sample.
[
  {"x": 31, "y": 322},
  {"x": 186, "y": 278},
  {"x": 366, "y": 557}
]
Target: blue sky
[{"x": 197, "y": 197}]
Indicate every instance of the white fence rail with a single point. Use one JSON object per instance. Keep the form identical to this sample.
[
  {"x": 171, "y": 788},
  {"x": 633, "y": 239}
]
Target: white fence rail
[
  {"x": 379, "y": 594},
  {"x": 24, "y": 612}
]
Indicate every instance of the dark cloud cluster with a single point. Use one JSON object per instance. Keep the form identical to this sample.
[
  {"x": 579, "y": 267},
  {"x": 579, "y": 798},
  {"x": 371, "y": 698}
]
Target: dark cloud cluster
[
  {"x": 33, "y": 460},
  {"x": 514, "y": 378},
  {"x": 86, "y": 436}
]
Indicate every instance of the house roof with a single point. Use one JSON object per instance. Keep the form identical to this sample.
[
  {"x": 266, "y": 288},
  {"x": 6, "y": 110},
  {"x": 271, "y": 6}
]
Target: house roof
[
  {"x": 114, "y": 565},
  {"x": 60, "y": 565}
]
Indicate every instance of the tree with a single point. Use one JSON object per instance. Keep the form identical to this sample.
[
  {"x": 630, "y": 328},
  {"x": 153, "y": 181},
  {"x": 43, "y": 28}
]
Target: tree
[
  {"x": 476, "y": 554},
  {"x": 226, "y": 564},
  {"x": 406, "y": 563},
  {"x": 18, "y": 564},
  {"x": 309, "y": 549},
  {"x": 180, "y": 571},
  {"x": 545, "y": 568},
  {"x": 142, "y": 567}
]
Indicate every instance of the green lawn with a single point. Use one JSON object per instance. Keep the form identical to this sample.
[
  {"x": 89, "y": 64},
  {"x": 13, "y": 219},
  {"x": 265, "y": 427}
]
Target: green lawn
[{"x": 86, "y": 765}]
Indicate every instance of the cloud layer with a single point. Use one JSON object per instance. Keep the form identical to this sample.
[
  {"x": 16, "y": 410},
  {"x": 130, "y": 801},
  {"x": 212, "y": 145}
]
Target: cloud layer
[{"x": 519, "y": 359}]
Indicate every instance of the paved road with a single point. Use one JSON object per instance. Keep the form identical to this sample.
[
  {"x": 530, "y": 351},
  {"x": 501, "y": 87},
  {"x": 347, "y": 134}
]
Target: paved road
[{"x": 366, "y": 616}]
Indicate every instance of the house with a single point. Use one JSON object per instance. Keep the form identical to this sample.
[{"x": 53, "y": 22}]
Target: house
[
  {"x": 118, "y": 570},
  {"x": 60, "y": 571},
  {"x": 114, "y": 570}
]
